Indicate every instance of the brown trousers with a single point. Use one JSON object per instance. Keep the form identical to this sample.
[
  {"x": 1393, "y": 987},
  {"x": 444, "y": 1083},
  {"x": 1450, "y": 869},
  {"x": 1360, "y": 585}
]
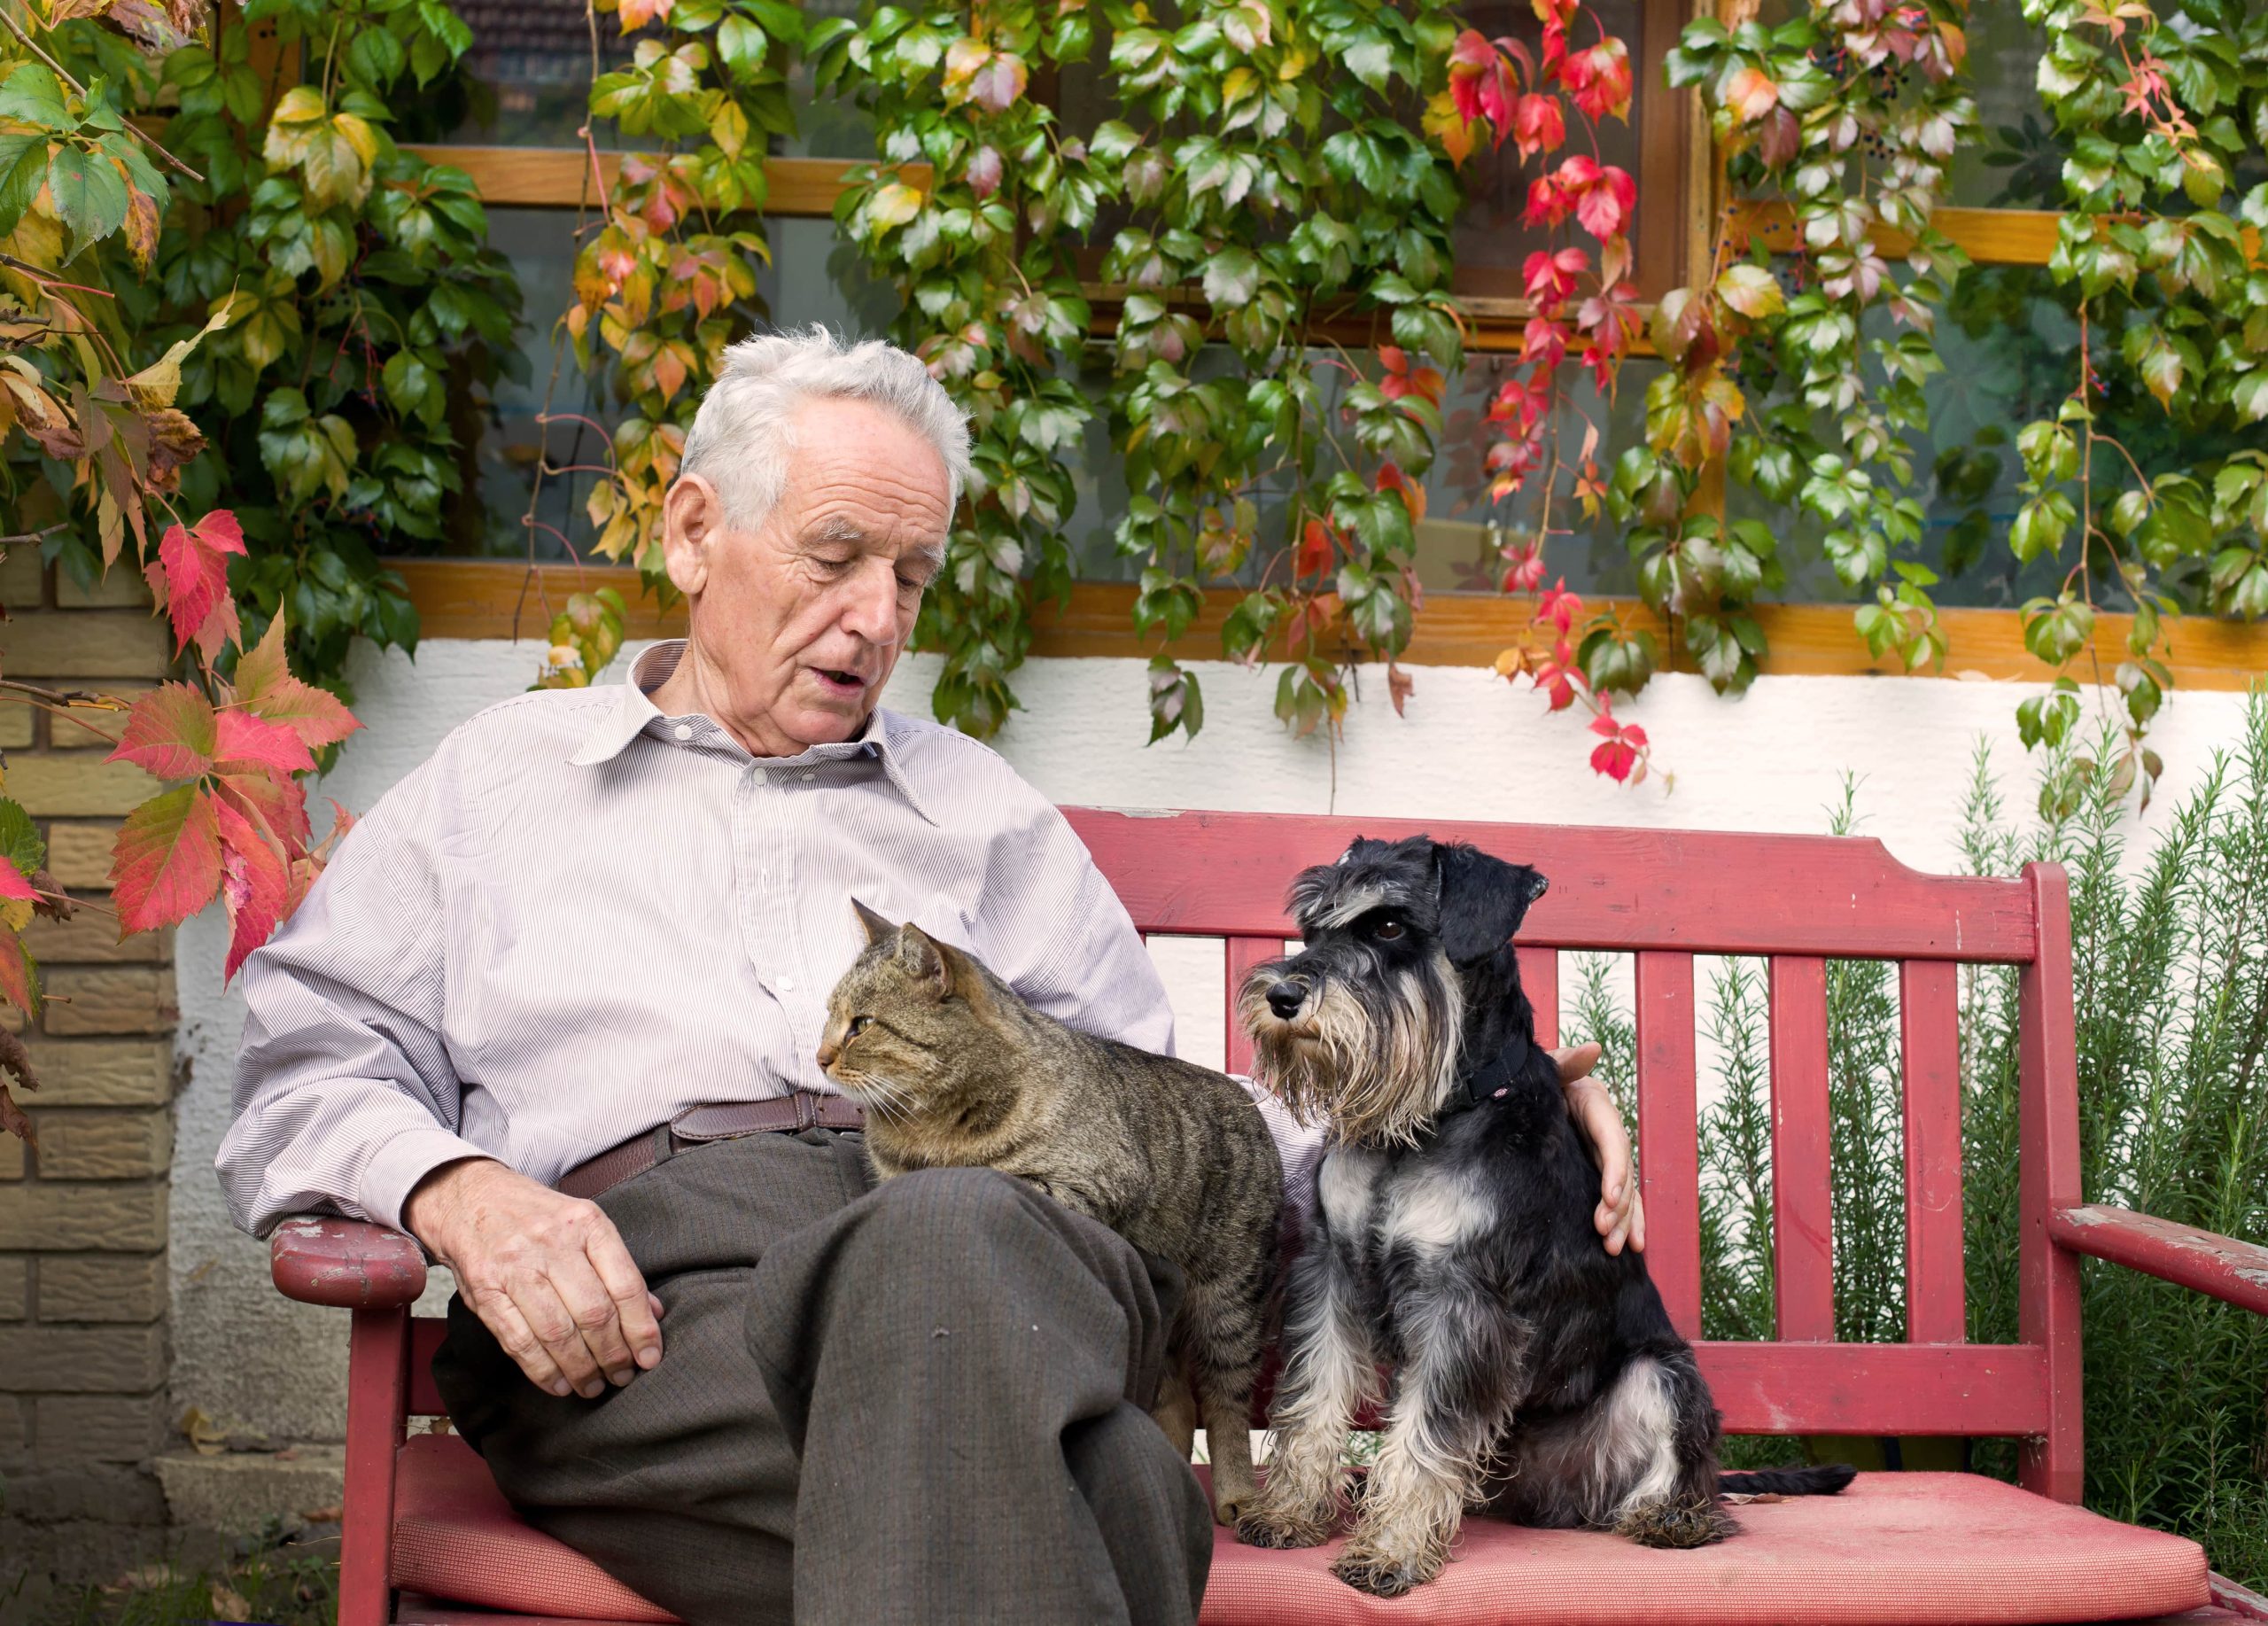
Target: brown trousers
[{"x": 921, "y": 1402}]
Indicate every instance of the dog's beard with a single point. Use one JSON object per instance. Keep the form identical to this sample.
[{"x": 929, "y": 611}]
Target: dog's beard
[{"x": 1374, "y": 1071}]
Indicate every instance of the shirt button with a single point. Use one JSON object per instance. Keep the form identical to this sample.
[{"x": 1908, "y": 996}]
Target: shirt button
[
  {"x": 809, "y": 775},
  {"x": 787, "y": 984},
  {"x": 757, "y": 777},
  {"x": 684, "y": 731}
]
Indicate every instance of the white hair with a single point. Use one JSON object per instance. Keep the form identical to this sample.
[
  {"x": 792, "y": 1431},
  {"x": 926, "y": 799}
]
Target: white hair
[{"x": 744, "y": 433}]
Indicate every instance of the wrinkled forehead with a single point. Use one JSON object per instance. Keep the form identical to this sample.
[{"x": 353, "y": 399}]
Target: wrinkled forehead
[{"x": 1369, "y": 874}]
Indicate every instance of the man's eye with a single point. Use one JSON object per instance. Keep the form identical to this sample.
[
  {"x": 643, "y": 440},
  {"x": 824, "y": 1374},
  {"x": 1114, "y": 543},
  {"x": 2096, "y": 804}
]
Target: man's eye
[
  {"x": 858, "y": 1025},
  {"x": 1387, "y": 930},
  {"x": 911, "y": 585}
]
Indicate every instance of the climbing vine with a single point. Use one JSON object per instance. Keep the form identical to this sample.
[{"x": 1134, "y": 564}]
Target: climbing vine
[{"x": 103, "y": 463}]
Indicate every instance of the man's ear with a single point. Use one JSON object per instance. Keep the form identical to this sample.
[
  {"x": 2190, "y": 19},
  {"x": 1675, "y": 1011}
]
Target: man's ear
[
  {"x": 878, "y": 926},
  {"x": 692, "y": 517},
  {"x": 925, "y": 958},
  {"x": 1482, "y": 899}
]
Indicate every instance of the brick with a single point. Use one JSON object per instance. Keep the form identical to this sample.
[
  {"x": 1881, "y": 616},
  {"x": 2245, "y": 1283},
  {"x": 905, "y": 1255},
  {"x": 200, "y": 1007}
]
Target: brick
[
  {"x": 15, "y": 1430},
  {"x": 76, "y": 784},
  {"x": 103, "y": 1072},
  {"x": 105, "y": 1494},
  {"x": 15, "y": 1287},
  {"x": 88, "y": 937},
  {"x": 104, "y": 1146},
  {"x": 116, "y": 588},
  {"x": 64, "y": 735},
  {"x": 114, "y": 999},
  {"x": 60, "y": 1217},
  {"x": 79, "y": 1360},
  {"x": 91, "y": 643},
  {"x": 15, "y": 726},
  {"x": 78, "y": 855},
  {"x": 11, "y": 1157},
  {"x": 74, "y": 1428},
  {"x": 23, "y": 579},
  {"x": 116, "y": 1288}
]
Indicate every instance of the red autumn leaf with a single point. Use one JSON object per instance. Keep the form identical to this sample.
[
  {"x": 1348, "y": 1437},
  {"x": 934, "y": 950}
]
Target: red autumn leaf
[
  {"x": 245, "y": 738},
  {"x": 1599, "y": 79},
  {"x": 278, "y": 806},
  {"x": 1538, "y": 124},
  {"x": 19, "y": 982},
  {"x": 984, "y": 172},
  {"x": 1399, "y": 687},
  {"x": 1606, "y": 205},
  {"x": 1560, "y": 607},
  {"x": 1315, "y": 549},
  {"x": 170, "y": 732},
  {"x": 1552, "y": 277},
  {"x": 192, "y": 577},
  {"x": 1413, "y": 496},
  {"x": 167, "y": 863},
  {"x": 15, "y": 887},
  {"x": 265, "y": 687},
  {"x": 1614, "y": 758},
  {"x": 1543, "y": 343},
  {"x": 1546, "y": 203},
  {"x": 255, "y": 886},
  {"x": 1470, "y": 59},
  {"x": 1750, "y": 93}
]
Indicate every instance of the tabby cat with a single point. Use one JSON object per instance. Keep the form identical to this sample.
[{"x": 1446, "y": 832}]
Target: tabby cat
[{"x": 955, "y": 1071}]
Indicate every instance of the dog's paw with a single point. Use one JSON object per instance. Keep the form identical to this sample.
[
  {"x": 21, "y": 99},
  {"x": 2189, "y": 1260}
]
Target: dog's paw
[
  {"x": 1384, "y": 1575},
  {"x": 1264, "y": 1527},
  {"x": 1675, "y": 1524}
]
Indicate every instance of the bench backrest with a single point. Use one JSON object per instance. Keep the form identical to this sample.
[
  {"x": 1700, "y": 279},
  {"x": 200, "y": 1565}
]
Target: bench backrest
[{"x": 1664, "y": 897}]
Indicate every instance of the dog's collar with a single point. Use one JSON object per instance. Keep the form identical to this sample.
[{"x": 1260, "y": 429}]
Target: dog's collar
[{"x": 1491, "y": 1078}]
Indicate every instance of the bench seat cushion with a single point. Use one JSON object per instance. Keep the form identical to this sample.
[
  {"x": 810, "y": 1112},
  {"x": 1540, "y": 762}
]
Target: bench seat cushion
[{"x": 1894, "y": 1549}]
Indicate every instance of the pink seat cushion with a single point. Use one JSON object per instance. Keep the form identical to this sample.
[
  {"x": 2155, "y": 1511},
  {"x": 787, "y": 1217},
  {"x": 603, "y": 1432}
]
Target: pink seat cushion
[
  {"x": 1896, "y": 1549},
  {"x": 456, "y": 1537}
]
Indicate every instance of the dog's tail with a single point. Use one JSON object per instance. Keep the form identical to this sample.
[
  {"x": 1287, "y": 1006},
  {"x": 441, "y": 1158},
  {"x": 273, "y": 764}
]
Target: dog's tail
[{"x": 1824, "y": 1480}]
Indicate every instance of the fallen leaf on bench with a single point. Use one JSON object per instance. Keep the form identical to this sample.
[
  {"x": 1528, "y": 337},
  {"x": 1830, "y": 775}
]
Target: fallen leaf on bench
[
  {"x": 322, "y": 1515},
  {"x": 1742, "y": 1498}
]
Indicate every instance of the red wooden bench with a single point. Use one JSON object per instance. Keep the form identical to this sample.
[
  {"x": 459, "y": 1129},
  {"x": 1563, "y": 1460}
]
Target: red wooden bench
[{"x": 427, "y": 1538}]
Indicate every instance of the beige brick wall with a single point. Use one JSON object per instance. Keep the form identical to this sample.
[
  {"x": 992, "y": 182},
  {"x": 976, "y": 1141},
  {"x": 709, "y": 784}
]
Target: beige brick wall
[{"x": 83, "y": 1345}]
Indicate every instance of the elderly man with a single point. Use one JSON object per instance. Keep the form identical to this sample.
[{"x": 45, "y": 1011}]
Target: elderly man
[{"x": 555, "y": 1006}]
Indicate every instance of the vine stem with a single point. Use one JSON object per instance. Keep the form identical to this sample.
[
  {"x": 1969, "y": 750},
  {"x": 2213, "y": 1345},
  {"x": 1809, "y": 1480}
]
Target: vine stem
[{"x": 64, "y": 73}]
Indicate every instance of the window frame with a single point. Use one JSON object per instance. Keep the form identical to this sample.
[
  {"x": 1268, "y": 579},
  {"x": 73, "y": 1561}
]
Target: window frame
[{"x": 1681, "y": 193}]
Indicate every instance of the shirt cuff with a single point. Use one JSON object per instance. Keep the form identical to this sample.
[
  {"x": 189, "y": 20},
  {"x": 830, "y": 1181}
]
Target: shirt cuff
[{"x": 395, "y": 1168}]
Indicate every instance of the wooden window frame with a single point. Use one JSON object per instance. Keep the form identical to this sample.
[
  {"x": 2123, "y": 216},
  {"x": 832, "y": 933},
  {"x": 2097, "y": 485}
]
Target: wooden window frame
[{"x": 1678, "y": 198}]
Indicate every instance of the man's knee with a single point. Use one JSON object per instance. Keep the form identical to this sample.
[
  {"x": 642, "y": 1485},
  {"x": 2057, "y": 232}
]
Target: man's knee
[{"x": 949, "y": 1215}]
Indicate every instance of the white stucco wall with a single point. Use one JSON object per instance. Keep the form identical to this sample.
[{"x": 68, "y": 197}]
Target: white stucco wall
[{"x": 1471, "y": 747}]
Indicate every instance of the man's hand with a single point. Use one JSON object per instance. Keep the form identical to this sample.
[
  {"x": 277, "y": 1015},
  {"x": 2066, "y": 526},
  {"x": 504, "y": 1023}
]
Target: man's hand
[
  {"x": 1620, "y": 1215},
  {"x": 546, "y": 1273}
]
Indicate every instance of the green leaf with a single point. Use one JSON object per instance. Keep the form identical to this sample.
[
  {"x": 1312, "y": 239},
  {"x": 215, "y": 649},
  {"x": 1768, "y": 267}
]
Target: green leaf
[
  {"x": 32, "y": 95},
  {"x": 88, "y": 195}
]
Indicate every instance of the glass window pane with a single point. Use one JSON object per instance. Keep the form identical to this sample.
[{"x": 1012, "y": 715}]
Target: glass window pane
[
  {"x": 2013, "y": 160},
  {"x": 530, "y": 66}
]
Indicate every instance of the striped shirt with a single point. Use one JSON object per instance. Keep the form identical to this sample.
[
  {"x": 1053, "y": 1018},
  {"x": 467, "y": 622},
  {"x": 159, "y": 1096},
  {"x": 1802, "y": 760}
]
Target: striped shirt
[{"x": 580, "y": 917}]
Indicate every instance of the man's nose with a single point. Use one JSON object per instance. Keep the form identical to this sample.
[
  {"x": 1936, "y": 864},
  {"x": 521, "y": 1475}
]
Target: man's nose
[
  {"x": 1285, "y": 998},
  {"x": 872, "y": 614}
]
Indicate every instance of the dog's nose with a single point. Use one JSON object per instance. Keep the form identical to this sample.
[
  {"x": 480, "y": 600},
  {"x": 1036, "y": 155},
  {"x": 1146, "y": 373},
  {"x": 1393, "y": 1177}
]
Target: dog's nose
[{"x": 1285, "y": 998}]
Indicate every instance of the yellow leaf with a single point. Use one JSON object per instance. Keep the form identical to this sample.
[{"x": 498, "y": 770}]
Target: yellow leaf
[
  {"x": 893, "y": 205},
  {"x": 1447, "y": 126},
  {"x": 157, "y": 385},
  {"x": 1752, "y": 291}
]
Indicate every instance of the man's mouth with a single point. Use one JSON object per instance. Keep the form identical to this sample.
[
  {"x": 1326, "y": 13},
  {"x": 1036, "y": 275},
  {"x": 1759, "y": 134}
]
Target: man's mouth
[{"x": 838, "y": 682}]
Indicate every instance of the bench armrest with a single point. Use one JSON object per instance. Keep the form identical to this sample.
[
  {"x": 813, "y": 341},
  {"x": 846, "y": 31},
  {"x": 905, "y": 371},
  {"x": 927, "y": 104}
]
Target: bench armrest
[
  {"x": 349, "y": 1264},
  {"x": 2219, "y": 1265}
]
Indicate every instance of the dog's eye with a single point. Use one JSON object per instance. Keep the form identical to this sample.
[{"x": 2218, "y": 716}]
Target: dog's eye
[
  {"x": 858, "y": 1025},
  {"x": 1387, "y": 930}
]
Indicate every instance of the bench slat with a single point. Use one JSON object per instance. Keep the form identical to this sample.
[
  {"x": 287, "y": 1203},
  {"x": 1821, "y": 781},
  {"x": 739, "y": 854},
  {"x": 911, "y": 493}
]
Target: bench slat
[
  {"x": 1928, "y": 1019},
  {"x": 1669, "y": 1155},
  {"x": 1242, "y": 955},
  {"x": 1803, "y": 1226},
  {"x": 1621, "y": 890},
  {"x": 1878, "y": 1389},
  {"x": 1540, "y": 981}
]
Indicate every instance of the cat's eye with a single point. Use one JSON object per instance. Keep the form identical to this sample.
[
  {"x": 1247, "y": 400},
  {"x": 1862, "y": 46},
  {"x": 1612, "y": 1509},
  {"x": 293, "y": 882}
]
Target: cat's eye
[
  {"x": 858, "y": 1025},
  {"x": 1387, "y": 930}
]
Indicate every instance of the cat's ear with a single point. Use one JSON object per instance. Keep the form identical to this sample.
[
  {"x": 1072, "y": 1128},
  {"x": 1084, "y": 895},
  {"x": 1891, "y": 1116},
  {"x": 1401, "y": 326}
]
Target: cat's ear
[
  {"x": 924, "y": 959},
  {"x": 878, "y": 926}
]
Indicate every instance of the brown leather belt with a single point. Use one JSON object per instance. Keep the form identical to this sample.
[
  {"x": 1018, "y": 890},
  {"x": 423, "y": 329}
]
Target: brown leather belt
[{"x": 787, "y": 1115}]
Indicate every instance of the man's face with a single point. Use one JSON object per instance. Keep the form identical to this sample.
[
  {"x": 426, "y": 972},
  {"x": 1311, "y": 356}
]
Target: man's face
[{"x": 796, "y": 624}]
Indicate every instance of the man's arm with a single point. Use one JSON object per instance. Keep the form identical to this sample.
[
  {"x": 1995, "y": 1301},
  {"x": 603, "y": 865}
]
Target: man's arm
[{"x": 346, "y": 1100}]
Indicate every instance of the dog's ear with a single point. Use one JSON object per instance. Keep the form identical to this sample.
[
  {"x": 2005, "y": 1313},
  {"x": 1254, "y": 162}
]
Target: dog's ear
[
  {"x": 878, "y": 926},
  {"x": 1483, "y": 900}
]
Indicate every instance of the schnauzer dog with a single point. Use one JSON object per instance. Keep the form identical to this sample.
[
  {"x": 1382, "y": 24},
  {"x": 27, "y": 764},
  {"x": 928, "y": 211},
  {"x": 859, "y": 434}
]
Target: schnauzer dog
[{"x": 1537, "y": 1376}]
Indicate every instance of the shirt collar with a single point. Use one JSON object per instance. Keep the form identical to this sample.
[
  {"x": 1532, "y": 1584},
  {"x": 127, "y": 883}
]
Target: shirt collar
[{"x": 882, "y": 738}]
